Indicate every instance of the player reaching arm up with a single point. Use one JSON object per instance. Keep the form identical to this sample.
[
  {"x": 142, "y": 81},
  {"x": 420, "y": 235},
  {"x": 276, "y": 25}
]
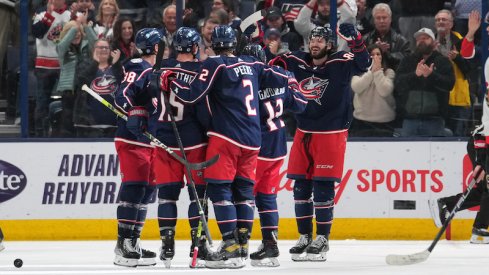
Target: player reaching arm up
[
  {"x": 231, "y": 84},
  {"x": 135, "y": 153},
  {"x": 317, "y": 154}
]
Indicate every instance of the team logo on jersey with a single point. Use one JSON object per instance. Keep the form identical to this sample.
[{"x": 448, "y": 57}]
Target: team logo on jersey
[
  {"x": 313, "y": 88},
  {"x": 103, "y": 85},
  {"x": 54, "y": 33},
  {"x": 12, "y": 181}
]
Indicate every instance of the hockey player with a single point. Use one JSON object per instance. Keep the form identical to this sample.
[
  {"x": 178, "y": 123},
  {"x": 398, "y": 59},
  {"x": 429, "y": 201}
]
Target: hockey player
[
  {"x": 317, "y": 154},
  {"x": 135, "y": 152},
  {"x": 169, "y": 173},
  {"x": 270, "y": 159},
  {"x": 1, "y": 240},
  {"x": 232, "y": 85}
]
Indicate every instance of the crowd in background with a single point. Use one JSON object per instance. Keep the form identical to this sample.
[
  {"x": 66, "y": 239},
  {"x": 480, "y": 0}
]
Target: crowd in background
[{"x": 418, "y": 84}]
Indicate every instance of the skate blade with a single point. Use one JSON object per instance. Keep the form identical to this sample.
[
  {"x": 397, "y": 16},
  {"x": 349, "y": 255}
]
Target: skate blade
[
  {"x": 321, "y": 257},
  {"x": 267, "y": 262},
  {"x": 121, "y": 261},
  {"x": 299, "y": 257},
  {"x": 233, "y": 263},
  {"x": 475, "y": 239},
  {"x": 2, "y": 247},
  {"x": 167, "y": 263},
  {"x": 147, "y": 262}
]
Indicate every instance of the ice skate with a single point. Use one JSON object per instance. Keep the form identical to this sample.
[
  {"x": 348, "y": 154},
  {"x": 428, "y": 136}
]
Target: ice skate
[
  {"x": 1, "y": 246},
  {"x": 203, "y": 250},
  {"x": 167, "y": 250},
  {"x": 316, "y": 251},
  {"x": 228, "y": 255},
  {"x": 439, "y": 212},
  {"x": 125, "y": 253},
  {"x": 479, "y": 236},
  {"x": 298, "y": 251},
  {"x": 148, "y": 258},
  {"x": 267, "y": 254}
]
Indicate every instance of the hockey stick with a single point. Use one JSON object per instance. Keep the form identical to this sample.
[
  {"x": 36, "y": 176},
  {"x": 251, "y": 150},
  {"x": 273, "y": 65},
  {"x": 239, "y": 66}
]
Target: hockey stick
[
  {"x": 189, "y": 173},
  {"x": 192, "y": 166},
  {"x": 193, "y": 264},
  {"x": 423, "y": 256},
  {"x": 248, "y": 21}
]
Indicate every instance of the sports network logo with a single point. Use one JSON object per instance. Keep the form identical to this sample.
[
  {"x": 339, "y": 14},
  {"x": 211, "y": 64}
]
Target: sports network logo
[{"x": 12, "y": 181}]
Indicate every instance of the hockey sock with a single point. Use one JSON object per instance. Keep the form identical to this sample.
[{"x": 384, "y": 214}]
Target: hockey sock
[
  {"x": 221, "y": 197},
  {"x": 167, "y": 206},
  {"x": 267, "y": 209},
  {"x": 304, "y": 210},
  {"x": 323, "y": 206},
  {"x": 127, "y": 211},
  {"x": 482, "y": 217},
  {"x": 193, "y": 210},
  {"x": 143, "y": 210},
  {"x": 244, "y": 201}
]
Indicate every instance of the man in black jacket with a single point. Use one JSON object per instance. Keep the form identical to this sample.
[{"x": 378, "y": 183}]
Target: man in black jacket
[{"x": 424, "y": 80}]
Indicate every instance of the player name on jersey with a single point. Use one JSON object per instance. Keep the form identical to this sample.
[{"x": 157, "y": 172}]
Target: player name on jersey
[
  {"x": 270, "y": 92},
  {"x": 243, "y": 70}
]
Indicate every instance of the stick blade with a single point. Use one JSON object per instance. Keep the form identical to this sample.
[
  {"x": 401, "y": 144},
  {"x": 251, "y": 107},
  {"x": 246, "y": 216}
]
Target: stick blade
[
  {"x": 407, "y": 259},
  {"x": 205, "y": 164}
]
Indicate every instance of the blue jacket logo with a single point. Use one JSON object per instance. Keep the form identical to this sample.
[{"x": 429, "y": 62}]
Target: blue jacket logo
[{"x": 12, "y": 181}]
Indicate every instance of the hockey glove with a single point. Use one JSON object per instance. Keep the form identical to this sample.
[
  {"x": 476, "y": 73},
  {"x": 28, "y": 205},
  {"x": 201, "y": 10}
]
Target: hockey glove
[
  {"x": 166, "y": 79},
  {"x": 349, "y": 33},
  {"x": 137, "y": 121}
]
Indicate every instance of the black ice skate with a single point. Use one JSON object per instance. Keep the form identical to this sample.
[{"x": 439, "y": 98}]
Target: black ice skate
[
  {"x": 167, "y": 250},
  {"x": 228, "y": 255},
  {"x": 439, "y": 212},
  {"x": 148, "y": 258},
  {"x": 297, "y": 252},
  {"x": 266, "y": 255},
  {"x": 316, "y": 251},
  {"x": 479, "y": 236},
  {"x": 126, "y": 253},
  {"x": 202, "y": 252}
]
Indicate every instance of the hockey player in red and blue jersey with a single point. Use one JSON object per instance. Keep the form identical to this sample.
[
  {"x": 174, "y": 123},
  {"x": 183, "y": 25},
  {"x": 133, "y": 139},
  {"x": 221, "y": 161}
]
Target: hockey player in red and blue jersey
[
  {"x": 170, "y": 174},
  {"x": 134, "y": 151},
  {"x": 273, "y": 102},
  {"x": 231, "y": 84},
  {"x": 317, "y": 154}
]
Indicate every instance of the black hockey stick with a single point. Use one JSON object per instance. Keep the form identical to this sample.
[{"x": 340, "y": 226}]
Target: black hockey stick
[
  {"x": 192, "y": 166},
  {"x": 423, "y": 255}
]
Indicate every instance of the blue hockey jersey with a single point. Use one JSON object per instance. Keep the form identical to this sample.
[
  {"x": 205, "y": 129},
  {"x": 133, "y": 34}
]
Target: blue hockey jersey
[
  {"x": 134, "y": 91},
  {"x": 192, "y": 132},
  {"x": 327, "y": 88},
  {"x": 232, "y": 85},
  {"x": 273, "y": 102}
]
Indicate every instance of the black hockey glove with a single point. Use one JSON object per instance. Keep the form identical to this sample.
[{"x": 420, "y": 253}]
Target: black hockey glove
[
  {"x": 349, "y": 33},
  {"x": 137, "y": 121}
]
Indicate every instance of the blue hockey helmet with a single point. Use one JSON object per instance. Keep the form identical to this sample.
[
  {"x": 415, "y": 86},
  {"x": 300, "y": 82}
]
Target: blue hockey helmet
[
  {"x": 147, "y": 38},
  {"x": 223, "y": 37},
  {"x": 324, "y": 32},
  {"x": 256, "y": 51},
  {"x": 185, "y": 39}
]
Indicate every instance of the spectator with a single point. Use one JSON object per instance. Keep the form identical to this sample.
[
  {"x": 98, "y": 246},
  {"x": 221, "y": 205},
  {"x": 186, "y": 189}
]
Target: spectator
[
  {"x": 136, "y": 10},
  {"x": 289, "y": 8},
  {"x": 205, "y": 38},
  {"x": 107, "y": 14},
  {"x": 9, "y": 21},
  {"x": 47, "y": 25},
  {"x": 393, "y": 45},
  {"x": 423, "y": 83},
  {"x": 374, "y": 104},
  {"x": 416, "y": 14},
  {"x": 102, "y": 73},
  {"x": 273, "y": 44},
  {"x": 76, "y": 41},
  {"x": 123, "y": 39},
  {"x": 304, "y": 22},
  {"x": 364, "y": 17},
  {"x": 85, "y": 6},
  {"x": 169, "y": 28},
  {"x": 449, "y": 43},
  {"x": 274, "y": 19},
  {"x": 231, "y": 8},
  {"x": 220, "y": 15}
]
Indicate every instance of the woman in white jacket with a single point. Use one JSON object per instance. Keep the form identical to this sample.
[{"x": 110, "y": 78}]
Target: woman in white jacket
[{"x": 374, "y": 104}]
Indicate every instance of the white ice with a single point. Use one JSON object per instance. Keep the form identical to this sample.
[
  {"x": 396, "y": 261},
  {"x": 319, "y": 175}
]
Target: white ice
[{"x": 344, "y": 257}]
